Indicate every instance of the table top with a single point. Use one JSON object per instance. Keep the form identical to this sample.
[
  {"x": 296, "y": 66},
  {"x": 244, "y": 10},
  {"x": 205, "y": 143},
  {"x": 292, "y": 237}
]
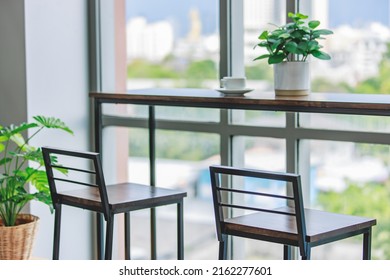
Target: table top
[{"x": 343, "y": 103}]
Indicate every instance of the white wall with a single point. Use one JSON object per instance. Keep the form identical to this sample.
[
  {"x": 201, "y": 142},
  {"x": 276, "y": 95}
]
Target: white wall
[{"x": 47, "y": 51}]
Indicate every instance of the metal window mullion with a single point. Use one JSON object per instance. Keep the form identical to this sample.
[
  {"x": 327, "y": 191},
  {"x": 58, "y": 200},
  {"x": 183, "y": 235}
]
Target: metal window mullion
[
  {"x": 291, "y": 143},
  {"x": 292, "y": 156},
  {"x": 297, "y": 153},
  {"x": 94, "y": 45},
  {"x": 95, "y": 84},
  {"x": 291, "y": 6},
  {"x": 344, "y": 136},
  {"x": 254, "y": 131},
  {"x": 225, "y": 38}
]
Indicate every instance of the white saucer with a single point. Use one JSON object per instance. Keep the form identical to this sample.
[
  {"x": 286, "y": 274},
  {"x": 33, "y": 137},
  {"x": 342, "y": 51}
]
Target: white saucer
[{"x": 234, "y": 91}]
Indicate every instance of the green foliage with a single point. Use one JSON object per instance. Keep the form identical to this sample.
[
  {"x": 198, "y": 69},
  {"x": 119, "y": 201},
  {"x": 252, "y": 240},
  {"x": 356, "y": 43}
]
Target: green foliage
[
  {"x": 379, "y": 83},
  {"x": 187, "y": 145},
  {"x": 15, "y": 152},
  {"x": 198, "y": 71},
  {"x": 293, "y": 41},
  {"x": 371, "y": 200},
  {"x": 203, "y": 69},
  {"x": 172, "y": 145},
  {"x": 260, "y": 71},
  {"x": 142, "y": 69},
  {"x": 324, "y": 85},
  {"x": 191, "y": 75}
]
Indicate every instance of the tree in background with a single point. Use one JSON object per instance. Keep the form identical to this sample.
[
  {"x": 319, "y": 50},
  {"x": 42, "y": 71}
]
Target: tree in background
[{"x": 370, "y": 200}]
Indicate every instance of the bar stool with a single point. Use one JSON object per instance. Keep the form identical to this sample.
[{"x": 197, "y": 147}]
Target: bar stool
[
  {"x": 290, "y": 225},
  {"x": 67, "y": 188}
]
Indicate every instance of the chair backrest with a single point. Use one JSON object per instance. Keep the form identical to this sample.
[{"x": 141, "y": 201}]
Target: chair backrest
[
  {"x": 80, "y": 170},
  {"x": 225, "y": 187}
]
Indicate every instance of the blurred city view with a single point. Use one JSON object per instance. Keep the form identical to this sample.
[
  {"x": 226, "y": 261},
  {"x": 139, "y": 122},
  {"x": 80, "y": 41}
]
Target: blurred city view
[
  {"x": 173, "y": 46},
  {"x": 174, "y": 43}
]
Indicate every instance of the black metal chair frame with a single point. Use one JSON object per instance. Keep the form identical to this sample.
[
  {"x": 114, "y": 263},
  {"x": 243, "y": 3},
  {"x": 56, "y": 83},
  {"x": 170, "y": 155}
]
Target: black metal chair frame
[
  {"x": 294, "y": 214},
  {"x": 100, "y": 201}
]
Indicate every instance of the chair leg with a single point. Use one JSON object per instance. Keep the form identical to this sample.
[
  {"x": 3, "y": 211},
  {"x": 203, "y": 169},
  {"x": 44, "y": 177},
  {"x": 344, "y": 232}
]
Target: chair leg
[
  {"x": 223, "y": 248},
  {"x": 127, "y": 236},
  {"x": 57, "y": 232},
  {"x": 286, "y": 252},
  {"x": 307, "y": 254},
  {"x": 180, "y": 235},
  {"x": 99, "y": 235},
  {"x": 367, "y": 244},
  {"x": 109, "y": 237}
]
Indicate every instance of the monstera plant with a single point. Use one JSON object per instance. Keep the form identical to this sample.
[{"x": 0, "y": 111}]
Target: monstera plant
[{"x": 21, "y": 165}]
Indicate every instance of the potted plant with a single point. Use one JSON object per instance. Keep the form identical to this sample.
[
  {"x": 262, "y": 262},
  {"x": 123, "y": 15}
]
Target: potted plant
[
  {"x": 289, "y": 48},
  {"x": 15, "y": 176}
]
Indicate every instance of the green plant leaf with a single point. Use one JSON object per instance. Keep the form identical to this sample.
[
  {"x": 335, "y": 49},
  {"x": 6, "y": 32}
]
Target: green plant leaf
[
  {"x": 262, "y": 56},
  {"x": 276, "y": 33},
  {"x": 296, "y": 17},
  {"x": 18, "y": 139},
  {"x": 321, "y": 55},
  {"x": 32, "y": 155},
  {"x": 45, "y": 198},
  {"x": 263, "y": 44},
  {"x": 277, "y": 58},
  {"x": 285, "y": 35},
  {"x": 313, "y": 45},
  {"x": 320, "y": 32},
  {"x": 38, "y": 179},
  {"x": 264, "y": 35},
  {"x": 290, "y": 26},
  {"x": 277, "y": 45},
  {"x": 313, "y": 24},
  {"x": 50, "y": 122},
  {"x": 303, "y": 47},
  {"x": 298, "y": 34},
  {"x": 5, "y": 160},
  {"x": 301, "y": 16},
  {"x": 291, "y": 47},
  {"x": 12, "y": 129}
]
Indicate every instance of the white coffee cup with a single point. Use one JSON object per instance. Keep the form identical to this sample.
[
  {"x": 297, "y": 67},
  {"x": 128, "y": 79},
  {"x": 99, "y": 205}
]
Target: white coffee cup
[{"x": 233, "y": 82}]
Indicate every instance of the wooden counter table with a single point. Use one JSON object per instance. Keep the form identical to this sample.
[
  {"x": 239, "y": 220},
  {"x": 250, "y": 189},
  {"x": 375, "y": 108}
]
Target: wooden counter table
[
  {"x": 361, "y": 104},
  {"x": 337, "y": 103}
]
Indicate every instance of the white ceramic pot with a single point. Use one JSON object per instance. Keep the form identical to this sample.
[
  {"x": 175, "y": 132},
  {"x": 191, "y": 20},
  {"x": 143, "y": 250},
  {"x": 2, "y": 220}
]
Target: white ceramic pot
[{"x": 292, "y": 78}]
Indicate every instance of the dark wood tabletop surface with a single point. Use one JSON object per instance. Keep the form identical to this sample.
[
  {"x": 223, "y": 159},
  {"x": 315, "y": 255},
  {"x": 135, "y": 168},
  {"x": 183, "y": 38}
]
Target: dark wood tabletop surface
[{"x": 345, "y": 103}]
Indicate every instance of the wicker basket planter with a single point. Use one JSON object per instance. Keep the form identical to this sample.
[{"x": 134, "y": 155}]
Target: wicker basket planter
[{"x": 16, "y": 242}]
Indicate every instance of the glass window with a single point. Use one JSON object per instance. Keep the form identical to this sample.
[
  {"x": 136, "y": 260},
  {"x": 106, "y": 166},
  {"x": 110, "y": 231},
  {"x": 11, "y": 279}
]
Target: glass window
[
  {"x": 179, "y": 47},
  {"x": 259, "y": 118},
  {"x": 258, "y": 16},
  {"x": 345, "y": 122},
  {"x": 175, "y": 44},
  {"x": 352, "y": 178},
  {"x": 359, "y": 46},
  {"x": 182, "y": 162},
  {"x": 172, "y": 43},
  {"x": 266, "y": 154}
]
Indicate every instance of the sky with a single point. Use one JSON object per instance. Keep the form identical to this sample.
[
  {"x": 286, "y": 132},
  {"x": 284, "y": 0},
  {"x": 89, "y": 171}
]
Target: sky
[
  {"x": 363, "y": 11},
  {"x": 340, "y": 12},
  {"x": 155, "y": 10}
]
